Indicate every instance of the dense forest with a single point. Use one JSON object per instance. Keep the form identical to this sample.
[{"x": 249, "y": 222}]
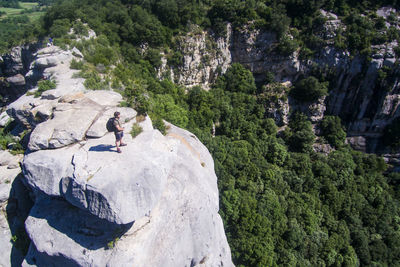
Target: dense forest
[{"x": 282, "y": 203}]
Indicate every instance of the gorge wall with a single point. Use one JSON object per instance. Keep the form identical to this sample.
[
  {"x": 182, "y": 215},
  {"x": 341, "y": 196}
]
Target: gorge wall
[{"x": 365, "y": 104}]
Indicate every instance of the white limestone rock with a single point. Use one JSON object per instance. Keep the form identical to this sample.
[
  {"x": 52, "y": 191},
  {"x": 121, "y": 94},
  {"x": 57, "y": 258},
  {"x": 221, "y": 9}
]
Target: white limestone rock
[
  {"x": 6, "y": 178},
  {"x": 17, "y": 80},
  {"x": 9, "y": 160},
  {"x": 43, "y": 170},
  {"x": 46, "y": 62},
  {"x": 76, "y": 52},
  {"x": 73, "y": 237},
  {"x": 4, "y": 119},
  {"x": 105, "y": 98},
  {"x": 66, "y": 127},
  {"x": 181, "y": 228}
]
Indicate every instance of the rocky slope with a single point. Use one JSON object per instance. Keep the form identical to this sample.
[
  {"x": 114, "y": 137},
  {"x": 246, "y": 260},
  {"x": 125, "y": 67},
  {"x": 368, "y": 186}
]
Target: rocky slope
[
  {"x": 156, "y": 204},
  {"x": 357, "y": 96}
]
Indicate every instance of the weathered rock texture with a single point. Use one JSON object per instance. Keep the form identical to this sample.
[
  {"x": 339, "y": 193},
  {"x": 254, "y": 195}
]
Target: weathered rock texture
[
  {"x": 156, "y": 204},
  {"x": 365, "y": 104}
]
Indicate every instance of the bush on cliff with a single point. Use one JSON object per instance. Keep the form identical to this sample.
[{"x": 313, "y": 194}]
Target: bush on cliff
[
  {"x": 333, "y": 130},
  {"x": 309, "y": 90}
]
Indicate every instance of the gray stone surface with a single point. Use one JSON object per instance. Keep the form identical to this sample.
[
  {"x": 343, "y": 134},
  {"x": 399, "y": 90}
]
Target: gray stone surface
[
  {"x": 13, "y": 61},
  {"x": 66, "y": 127},
  {"x": 9, "y": 160},
  {"x": 7, "y": 176},
  {"x": 17, "y": 80},
  {"x": 44, "y": 170},
  {"x": 173, "y": 175},
  {"x": 105, "y": 98},
  {"x": 76, "y": 52},
  {"x": 46, "y": 62}
]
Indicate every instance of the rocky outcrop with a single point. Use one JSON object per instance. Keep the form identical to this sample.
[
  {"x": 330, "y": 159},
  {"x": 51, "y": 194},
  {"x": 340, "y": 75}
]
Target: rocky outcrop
[
  {"x": 156, "y": 204},
  {"x": 205, "y": 57},
  {"x": 24, "y": 66},
  {"x": 364, "y": 102}
]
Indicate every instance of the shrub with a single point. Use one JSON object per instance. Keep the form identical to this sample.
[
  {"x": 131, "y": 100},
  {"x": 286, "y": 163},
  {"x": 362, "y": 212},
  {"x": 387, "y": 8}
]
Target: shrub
[
  {"x": 158, "y": 124},
  {"x": 154, "y": 57},
  {"x": 333, "y": 131},
  {"x": 287, "y": 46},
  {"x": 93, "y": 81},
  {"x": 76, "y": 65},
  {"x": 302, "y": 136},
  {"x": 112, "y": 243},
  {"x": 80, "y": 28},
  {"x": 136, "y": 130},
  {"x": 6, "y": 139},
  {"x": 237, "y": 79},
  {"x": 309, "y": 90},
  {"x": 44, "y": 85},
  {"x": 60, "y": 28},
  {"x": 175, "y": 59}
]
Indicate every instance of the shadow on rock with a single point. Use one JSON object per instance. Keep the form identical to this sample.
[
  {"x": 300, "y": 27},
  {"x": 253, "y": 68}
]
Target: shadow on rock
[
  {"x": 58, "y": 218},
  {"x": 18, "y": 208},
  {"x": 102, "y": 148}
]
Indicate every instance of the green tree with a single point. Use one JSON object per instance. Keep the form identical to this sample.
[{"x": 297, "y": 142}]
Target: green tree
[
  {"x": 309, "y": 90},
  {"x": 333, "y": 131}
]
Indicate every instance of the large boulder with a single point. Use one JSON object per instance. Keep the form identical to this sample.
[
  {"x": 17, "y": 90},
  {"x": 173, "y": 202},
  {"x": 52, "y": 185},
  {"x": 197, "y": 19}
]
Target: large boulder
[
  {"x": 156, "y": 204},
  {"x": 16, "y": 80},
  {"x": 68, "y": 126}
]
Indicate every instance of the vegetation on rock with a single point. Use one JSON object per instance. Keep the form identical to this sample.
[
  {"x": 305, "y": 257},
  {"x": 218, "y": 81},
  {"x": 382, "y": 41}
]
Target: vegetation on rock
[{"x": 281, "y": 202}]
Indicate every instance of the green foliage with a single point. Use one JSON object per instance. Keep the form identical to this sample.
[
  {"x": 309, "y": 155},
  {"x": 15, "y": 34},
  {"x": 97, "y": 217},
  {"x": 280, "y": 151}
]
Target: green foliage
[
  {"x": 44, "y": 85},
  {"x": 98, "y": 51},
  {"x": 15, "y": 30},
  {"x": 282, "y": 204},
  {"x": 60, "y": 28},
  {"x": 136, "y": 130},
  {"x": 333, "y": 131},
  {"x": 287, "y": 46},
  {"x": 158, "y": 124},
  {"x": 10, "y": 4},
  {"x": 164, "y": 106},
  {"x": 154, "y": 57},
  {"x": 112, "y": 243},
  {"x": 76, "y": 65},
  {"x": 301, "y": 136},
  {"x": 175, "y": 59},
  {"x": 93, "y": 81},
  {"x": 80, "y": 29},
  {"x": 237, "y": 79},
  {"x": 9, "y": 141},
  {"x": 309, "y": 90}
]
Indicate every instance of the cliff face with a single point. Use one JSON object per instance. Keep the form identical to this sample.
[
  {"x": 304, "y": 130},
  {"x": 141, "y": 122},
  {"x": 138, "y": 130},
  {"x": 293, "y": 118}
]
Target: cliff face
[
  {"x": 155, "y": 204},
  {"x": 365, "y": 104}
]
